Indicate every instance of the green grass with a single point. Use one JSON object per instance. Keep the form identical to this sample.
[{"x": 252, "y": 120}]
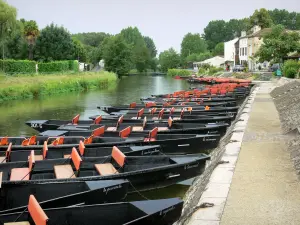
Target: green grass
[{"x": 33, "y": 86}]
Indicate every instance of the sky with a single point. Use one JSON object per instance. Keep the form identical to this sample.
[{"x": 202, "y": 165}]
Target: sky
[{"x": 165, "y": 21}]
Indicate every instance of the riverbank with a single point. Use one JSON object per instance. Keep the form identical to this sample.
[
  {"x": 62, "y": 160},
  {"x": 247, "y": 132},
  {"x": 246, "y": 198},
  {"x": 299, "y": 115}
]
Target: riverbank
[{"x": 33, "y": 86}]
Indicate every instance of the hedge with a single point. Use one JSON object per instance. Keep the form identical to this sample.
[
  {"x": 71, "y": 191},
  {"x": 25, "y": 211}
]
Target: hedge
[
  {"x": 179, "y": 72},
  {"x": 11, "y": 66},
  {"x": 291, "y": 68},
  {"x": 73, "y": 65},
  {"x": 55, "y": 66}
]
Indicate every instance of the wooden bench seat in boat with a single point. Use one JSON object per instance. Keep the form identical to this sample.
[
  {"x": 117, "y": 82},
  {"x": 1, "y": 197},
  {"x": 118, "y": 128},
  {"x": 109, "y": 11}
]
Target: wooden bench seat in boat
[
  {"x": 17, "y": 223},
  {"x": 139, "y": 114},
  {"x": 105, "y": 169},
  {"x": 4, "y": 159},
  {"x": 160, "y": 114},
  {"x": 140, "y": 128},
  {"x": 152, "y": 135},
  {"x": 66, "y": 171},
  {"x": 120, "y": 120},
  {"x": 170, "y": 121},
  {"x": 23, "y": 173}
]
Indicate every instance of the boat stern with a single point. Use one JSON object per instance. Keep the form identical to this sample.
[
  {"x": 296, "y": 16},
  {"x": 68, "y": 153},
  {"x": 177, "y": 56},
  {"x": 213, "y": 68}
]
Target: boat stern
[{"x": 38, "y": 125}]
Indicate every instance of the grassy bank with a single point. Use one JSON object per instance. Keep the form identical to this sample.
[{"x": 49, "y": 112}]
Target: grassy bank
[{"x": 32, "y": 86}]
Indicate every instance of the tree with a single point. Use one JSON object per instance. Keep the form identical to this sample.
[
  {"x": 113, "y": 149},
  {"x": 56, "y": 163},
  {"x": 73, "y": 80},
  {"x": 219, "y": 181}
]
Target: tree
[
  {"x": 117, "y": 55},
  {"x": 219, "y": 49},
  {"x": 132, "y": 35},
  {"x": 8, "y": 16},
  {"x": 54, "y": 43},
  {"x": 141, "y": 57},
  {"x": 234, "y": 27},
  {"x": 198, "y": 57},
  {"x": 214, "y": 33},
  {"x": 93, "y": 39},
  {"x": 31, "y": 32},
  {"x": 192, "y": 43},
  {"x": 285, "y": 18},
  {"x": 153, "y": 64},
  {"x": 169, "y": 59},
  {"x": 261, "y": 18},
  {"x": 79, "y": 50},
  {"x": 278, "y": 44},
  {"x": 151, "y": 46}
]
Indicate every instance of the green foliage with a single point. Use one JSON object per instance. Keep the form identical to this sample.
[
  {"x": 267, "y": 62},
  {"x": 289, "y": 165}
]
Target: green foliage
[
  {"x": 219, "y": 49},
  {"x": 202, "y": 71},
  {"x": 198, "y": 57},
  {"x": 290, "y": 20},
  {"x": 278, "y": 44},
  {"x": 214, "y": 70},
  {"x": 291, "y": 68},
  {"x": 79, "y": 50},
  {"x": 93, "y": 39},
  {"x": 31, "y": 32},
  {"x": 8, "y": 16},
  {"x": 11, "y": 66},
  {"x": 117, "y": 55},
  {"x": 141, "y": 57},
  {"x": 178, "y": 72},
  {"x": 73, "y": 65},
  {"x": 94, "y": 54},
  {"x": 261, "y": 18},
  {"x": 35, "y": 86},
  {"x": 151, "y": 46},
  {"x": 192, "y": 44},
  {"x": 153, "y": 64},
  {"x": 132, "y": 36},
  {"x": 169, "y": 59},
  {"x": 53, "y": 67},
  {"x": 54, "y": 43}
]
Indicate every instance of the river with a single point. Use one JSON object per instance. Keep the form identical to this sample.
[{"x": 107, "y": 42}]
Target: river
[{"x": 14, "y": 114}]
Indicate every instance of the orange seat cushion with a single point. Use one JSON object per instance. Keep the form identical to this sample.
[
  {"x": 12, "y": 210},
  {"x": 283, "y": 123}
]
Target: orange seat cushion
[
  {"x": 67, "y": 156},
  {"x": 106, "y": 169},
  {"x": 111, "y": 129},
  {"x": 155, "y": 118},
  {"x": 38, "y": 157},
  {"x": 162, "y": 128},
  {"x": 149, "y": 139},
  {"x": 17, "y": 223},
  {"x": 20, "y": 174},
  {"x": 64, "y": 172},
  {"x": 137, "y": 128},
  {"x": 176, "y": 118}
]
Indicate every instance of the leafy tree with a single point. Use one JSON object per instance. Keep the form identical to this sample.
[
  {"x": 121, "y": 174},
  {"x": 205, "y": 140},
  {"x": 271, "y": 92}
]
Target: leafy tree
[
  {"x": 117, "y": 55},
  {"x": 54, "y": 43},
  {"x": 234, "y": 27},
  {"x": 151, "y": 46},
  {"x": 214, "y": 33},
  {"x": 31, "y": 32},
  {"x": 16, "y": 46},
  {"x": 219, "y": 49},
  {"x": 153, "y": 64},
  {"x": 261, "y": 18},
  {"x": 132, "y": 35},
  {"x": 192, "y": 43},
  {"x": 198, "y": 57},
  {"x": 278, "y": 44},
  {"x": 93, "y": 39},
  {"x": 8, "y": 20},
  {"x": 79, "y": 50},
  {"x": 169, "y": 59},
  {"x": 287, "y": 19},
  {"x": 141, "y": 57}
]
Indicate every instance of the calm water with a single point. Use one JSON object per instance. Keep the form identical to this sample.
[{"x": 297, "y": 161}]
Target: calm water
[{"x": 14, "y": 114}]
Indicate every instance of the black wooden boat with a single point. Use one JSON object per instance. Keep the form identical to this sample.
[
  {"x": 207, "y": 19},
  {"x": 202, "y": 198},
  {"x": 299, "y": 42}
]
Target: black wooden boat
[
  {"x": 57, "y": 152},
  {"x": 204, "y": 100},
  {"x": 143, "y": 172},
  {"x": 183, "y": 118},
  {"x": 56, "y": 194},
  {"x": 171, "y": 143},
  {"x": 160, "y": 212},
  {"x": 110, "y": 109}
]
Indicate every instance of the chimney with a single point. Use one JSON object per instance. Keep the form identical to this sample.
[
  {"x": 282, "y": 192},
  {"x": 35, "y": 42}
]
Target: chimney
[
  {"x": 243, "y": 33},
  {"x": 256, "y": 28}
]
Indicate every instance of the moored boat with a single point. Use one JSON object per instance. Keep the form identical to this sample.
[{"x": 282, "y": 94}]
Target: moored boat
[
  {"x": 162, "y": 212},
  {"x": 56, "y": 194},
  {"x": 143, "y": 172}
]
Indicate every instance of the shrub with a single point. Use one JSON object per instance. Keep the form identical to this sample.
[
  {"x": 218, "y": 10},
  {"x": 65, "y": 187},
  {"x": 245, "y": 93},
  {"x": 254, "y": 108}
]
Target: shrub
[
  {"x": 11, "y": 66},
  {"x": 291, "y": 68},
  {"x": 179, "y": 72},
  {"x": 214, "y": 70},
  {"x": 55, "y": 66},
  {"x": 73, "y": 65},
  {"x": 202, "y": 71}
]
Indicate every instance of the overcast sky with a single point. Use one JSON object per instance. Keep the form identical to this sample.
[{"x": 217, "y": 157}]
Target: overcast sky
[{"x": 166, "y": 21}]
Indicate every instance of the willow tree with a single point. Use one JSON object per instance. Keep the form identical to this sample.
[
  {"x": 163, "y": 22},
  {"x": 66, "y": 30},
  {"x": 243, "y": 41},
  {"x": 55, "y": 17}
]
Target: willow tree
[{"x": 31, "y": 32}]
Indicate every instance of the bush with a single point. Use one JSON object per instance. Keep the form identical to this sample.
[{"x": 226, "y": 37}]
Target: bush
[
  {"x": 202, "y": 71},
  {"x": 214, "y": 70},
  {"x": 291, "y": 68},
  {"x": 11, "y": 66},
  {"x": 178, "y": 72},
  {"x": 55, "y": 66},
  {"x": 73, "y": 65}
]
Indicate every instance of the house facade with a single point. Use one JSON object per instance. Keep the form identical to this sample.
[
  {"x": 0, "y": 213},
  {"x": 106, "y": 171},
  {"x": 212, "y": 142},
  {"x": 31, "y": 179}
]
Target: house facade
[
  {"x": 243, "y": 48},
  {"x": 229, "y": 52}
]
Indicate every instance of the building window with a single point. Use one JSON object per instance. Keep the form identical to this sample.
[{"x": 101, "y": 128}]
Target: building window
[
  {"x": 240, "y": 51},
  {"x": 246, "y": 51},
  {"x": 243, "y": 52}
]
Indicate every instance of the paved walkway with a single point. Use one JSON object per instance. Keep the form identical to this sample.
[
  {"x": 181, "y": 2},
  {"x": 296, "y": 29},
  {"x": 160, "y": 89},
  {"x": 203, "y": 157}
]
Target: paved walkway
[{"x": 264, "y": 189}]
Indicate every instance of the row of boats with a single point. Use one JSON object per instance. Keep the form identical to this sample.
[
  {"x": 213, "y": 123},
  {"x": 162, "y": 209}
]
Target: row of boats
[{"x": 79, "y": 171}]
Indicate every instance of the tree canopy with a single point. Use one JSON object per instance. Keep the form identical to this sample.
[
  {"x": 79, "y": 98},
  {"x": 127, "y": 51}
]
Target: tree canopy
[
  {"x": 31, "y": 32},
  {"x": 169, "y": 59},
  {"x": 219, "y": 49},
  {"x": 151, "y": 46},
  {"x": 192, "y": 43},
  {"x": 8, "y": 15},
  {"x": 93, "y": 39},
  {"x": 261, "y": 18},
  {"x": 290, "y": 20},
  {"x": 54, "y": 43},
  {"x": 117, "y": 55},
  {"x": 278, "y": 44}
]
